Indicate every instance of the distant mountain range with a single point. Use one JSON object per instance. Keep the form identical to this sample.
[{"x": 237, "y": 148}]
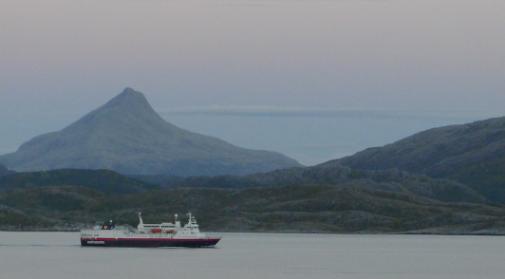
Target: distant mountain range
[
  {"x": 447, "y": 180},
  {"x": 467, "y": 158},
  {"x": 457, "y": 167},
  {"x": 126, "y": 135}
]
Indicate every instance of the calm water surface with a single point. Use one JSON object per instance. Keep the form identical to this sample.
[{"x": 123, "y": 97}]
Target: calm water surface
[{"x": 58, "y": 255}]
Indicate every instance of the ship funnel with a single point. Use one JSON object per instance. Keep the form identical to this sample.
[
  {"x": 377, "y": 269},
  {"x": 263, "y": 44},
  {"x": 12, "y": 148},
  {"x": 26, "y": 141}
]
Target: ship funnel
[{"x": 140, "y": 226}]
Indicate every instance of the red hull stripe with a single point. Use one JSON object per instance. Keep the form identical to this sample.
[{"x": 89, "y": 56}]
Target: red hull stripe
[{"x": 152, "y": 239}]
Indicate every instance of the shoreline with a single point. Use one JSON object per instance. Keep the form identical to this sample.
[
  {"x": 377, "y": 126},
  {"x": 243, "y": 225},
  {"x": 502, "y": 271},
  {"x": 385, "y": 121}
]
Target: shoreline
[{"x": 447, "y": 233}]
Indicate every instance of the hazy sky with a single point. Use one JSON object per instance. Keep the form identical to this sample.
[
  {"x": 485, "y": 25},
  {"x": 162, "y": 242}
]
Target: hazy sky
[{"x": 61, "y": 58}]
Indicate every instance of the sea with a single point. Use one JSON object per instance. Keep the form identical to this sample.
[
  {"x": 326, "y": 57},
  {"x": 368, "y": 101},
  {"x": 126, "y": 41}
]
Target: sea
[{"x": 58, "y": 255}]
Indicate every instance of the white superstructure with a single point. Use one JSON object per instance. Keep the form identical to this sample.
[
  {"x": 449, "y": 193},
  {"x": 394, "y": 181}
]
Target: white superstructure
[
  {"x": 147, "y": 231},
  {"x": 191, "y": 228}
]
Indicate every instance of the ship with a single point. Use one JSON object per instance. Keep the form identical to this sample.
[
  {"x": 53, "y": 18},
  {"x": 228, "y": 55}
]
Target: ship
[{"x": 148, "y": 235}]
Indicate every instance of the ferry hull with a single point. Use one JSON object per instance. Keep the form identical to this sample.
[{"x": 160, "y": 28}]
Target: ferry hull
[{"x": 150, "y": 242}]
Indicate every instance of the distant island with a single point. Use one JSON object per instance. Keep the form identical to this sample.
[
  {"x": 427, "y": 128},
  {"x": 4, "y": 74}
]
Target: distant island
[{"x": 448, "y": 180}]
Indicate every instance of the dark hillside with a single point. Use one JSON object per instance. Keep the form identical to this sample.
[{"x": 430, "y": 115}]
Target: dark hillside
[
  {"x": 99, "y": 180},
  {"x": 473, "y": 154},
  {"x": 281, "y": 209},
  {"x": 338, "y": 176}
]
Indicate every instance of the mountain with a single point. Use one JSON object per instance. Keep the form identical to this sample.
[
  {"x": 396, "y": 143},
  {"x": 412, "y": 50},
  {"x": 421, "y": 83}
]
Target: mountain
[
  {"x": 126, "y": 135},
  {"x": 473, "y": 154}
]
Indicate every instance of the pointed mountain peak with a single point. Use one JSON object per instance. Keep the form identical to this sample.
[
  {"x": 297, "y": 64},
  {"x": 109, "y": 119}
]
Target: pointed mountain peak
[
  {"x": 129, "y": 96},
  {"x": 130, "y": 105},
  {"x": 130, "y": 92},
  {"x": 130, "y": 100}
]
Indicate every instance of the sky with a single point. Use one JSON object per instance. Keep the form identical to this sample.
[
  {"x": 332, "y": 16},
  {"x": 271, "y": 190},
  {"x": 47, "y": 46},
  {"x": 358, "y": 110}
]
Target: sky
[{"x": 59, "y": 59}]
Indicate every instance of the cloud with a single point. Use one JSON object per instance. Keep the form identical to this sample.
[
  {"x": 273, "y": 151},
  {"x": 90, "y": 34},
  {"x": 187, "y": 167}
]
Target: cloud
[{"x": 278, "y": 111}]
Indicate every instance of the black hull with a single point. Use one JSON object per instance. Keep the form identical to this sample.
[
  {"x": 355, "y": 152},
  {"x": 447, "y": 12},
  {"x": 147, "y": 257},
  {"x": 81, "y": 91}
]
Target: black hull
[{"x": 125, "y": 242}]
